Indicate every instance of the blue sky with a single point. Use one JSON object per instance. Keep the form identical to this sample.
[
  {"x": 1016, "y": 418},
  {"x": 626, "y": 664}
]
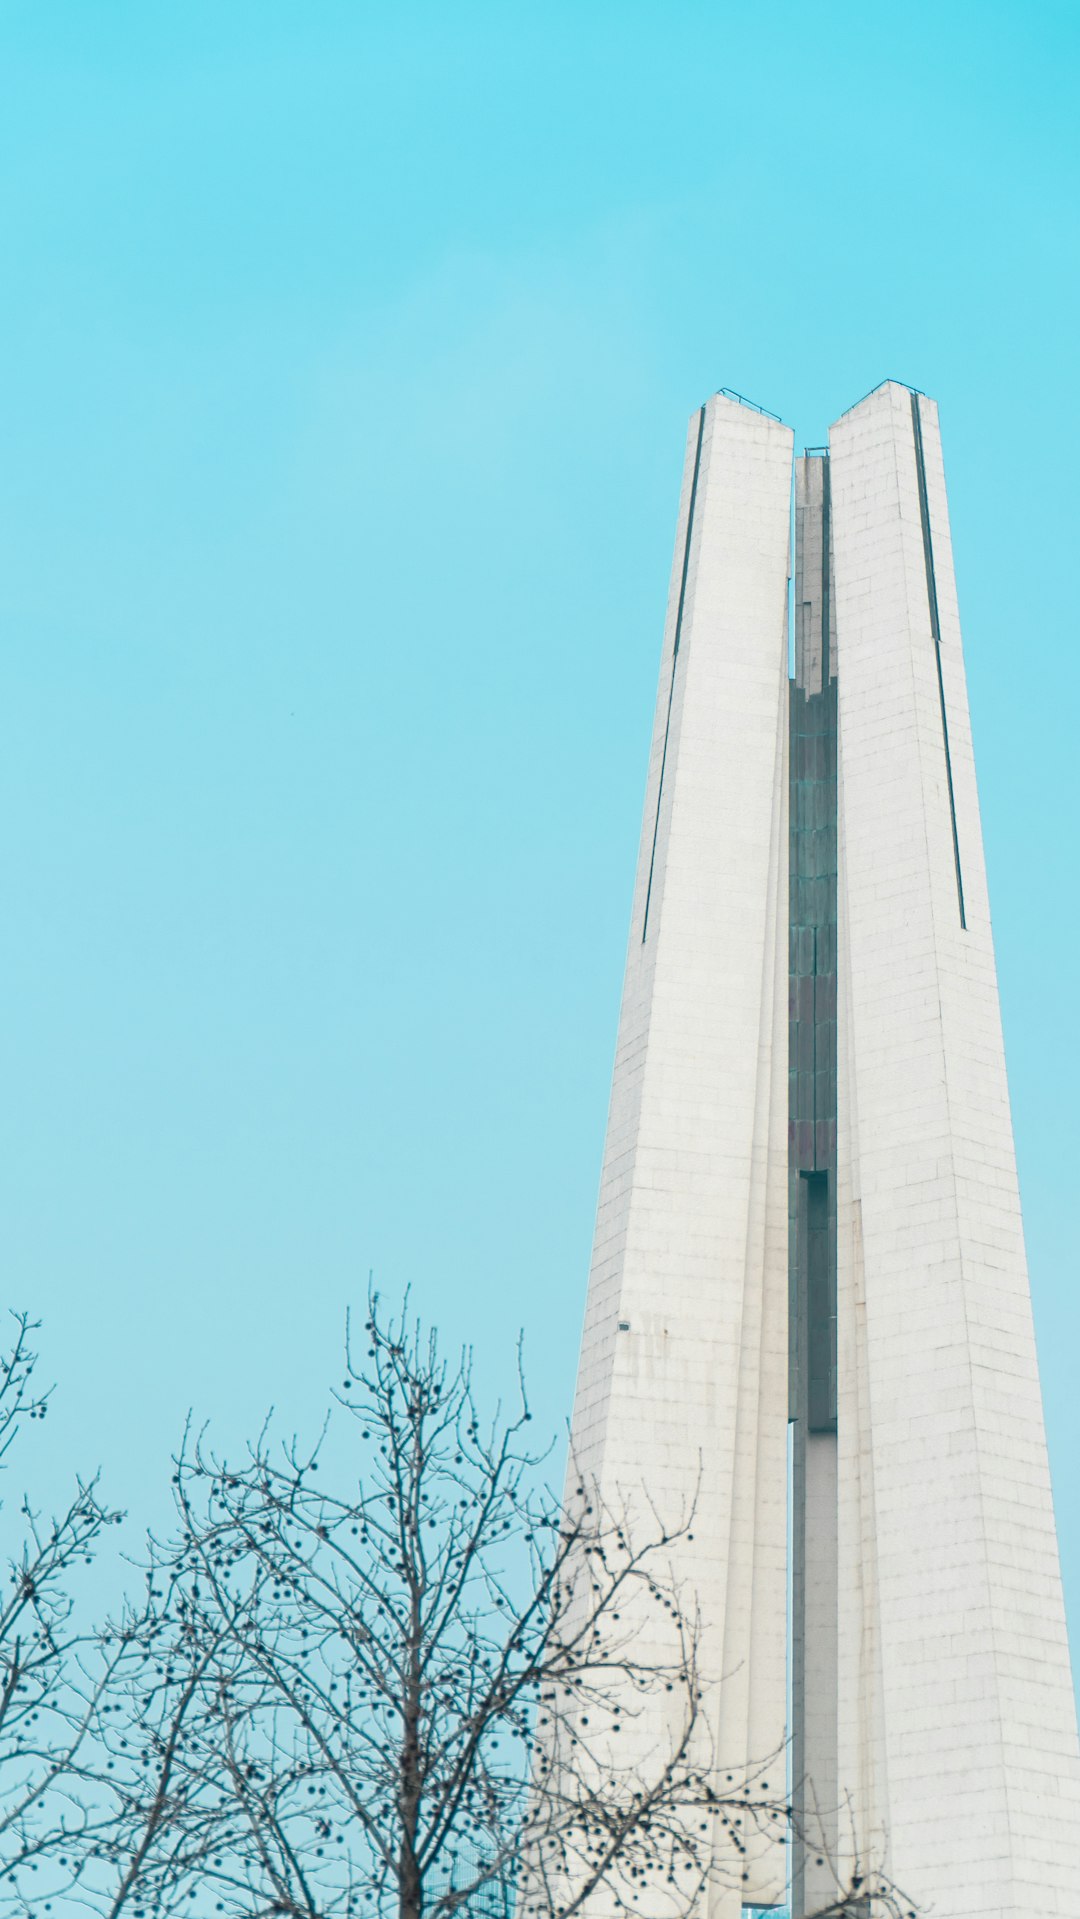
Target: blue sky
[{"x": 347, "y": 355}]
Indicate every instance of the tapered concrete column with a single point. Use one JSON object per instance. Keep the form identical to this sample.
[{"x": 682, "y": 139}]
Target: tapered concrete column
[
  {"x": 957, "y": 1718},
  {"x": 683, "y": 1375}
]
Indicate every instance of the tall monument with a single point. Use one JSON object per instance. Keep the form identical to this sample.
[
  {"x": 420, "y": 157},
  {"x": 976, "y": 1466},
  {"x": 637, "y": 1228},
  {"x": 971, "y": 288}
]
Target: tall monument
[{"x": 808, "y": 1308}]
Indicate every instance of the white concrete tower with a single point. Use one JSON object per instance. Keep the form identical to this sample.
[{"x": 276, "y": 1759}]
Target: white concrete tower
[{"x": 809, "y": 1221}]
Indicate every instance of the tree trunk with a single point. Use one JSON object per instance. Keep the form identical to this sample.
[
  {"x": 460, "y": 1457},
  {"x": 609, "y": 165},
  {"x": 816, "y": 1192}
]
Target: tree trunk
[{"x": 410, "y": 1889}]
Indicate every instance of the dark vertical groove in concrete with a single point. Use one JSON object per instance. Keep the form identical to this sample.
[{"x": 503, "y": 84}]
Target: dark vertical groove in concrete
[
  {"x": 826, "y": 577},
  {"x": 812, "y": 895},
  {"x": 674, "y": 663},
  {"x": 812, "y": 1111},
  {"x": 935, "y": 628}
]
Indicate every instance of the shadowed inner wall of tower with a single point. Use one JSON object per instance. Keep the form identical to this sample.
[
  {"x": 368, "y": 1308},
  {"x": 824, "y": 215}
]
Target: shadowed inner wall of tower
[{"x": 812, "y": 1192}]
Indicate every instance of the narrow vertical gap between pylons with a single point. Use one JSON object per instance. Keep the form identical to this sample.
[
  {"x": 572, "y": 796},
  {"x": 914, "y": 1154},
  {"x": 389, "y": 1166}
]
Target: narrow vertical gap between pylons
[
  {"x": 826, "y": 579},
  {"x": 935, "y": 628},
  {"x": 793, "y": 534},
  {"x": 674, "y": 664}
]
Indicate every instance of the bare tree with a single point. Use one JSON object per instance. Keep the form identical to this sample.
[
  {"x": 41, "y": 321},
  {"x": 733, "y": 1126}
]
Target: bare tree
[
  {"x": 51, "y": 1681},
  {"x": 421, "y": 1690},
  {"x": 407, "y": 1686},
  {"x": 95, "y": 1732},
  {"x": 162, "y": 1748}
]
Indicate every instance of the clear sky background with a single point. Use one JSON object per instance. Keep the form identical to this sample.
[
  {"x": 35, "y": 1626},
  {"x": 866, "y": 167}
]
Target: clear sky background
[{"x": 346, "y": 354}]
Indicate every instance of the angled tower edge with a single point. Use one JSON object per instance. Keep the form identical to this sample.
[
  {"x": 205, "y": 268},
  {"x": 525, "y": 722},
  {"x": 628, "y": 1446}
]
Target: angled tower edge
[
  {"x": 683, "y": 1371},
  {"x": 957, "y": 1727}
]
